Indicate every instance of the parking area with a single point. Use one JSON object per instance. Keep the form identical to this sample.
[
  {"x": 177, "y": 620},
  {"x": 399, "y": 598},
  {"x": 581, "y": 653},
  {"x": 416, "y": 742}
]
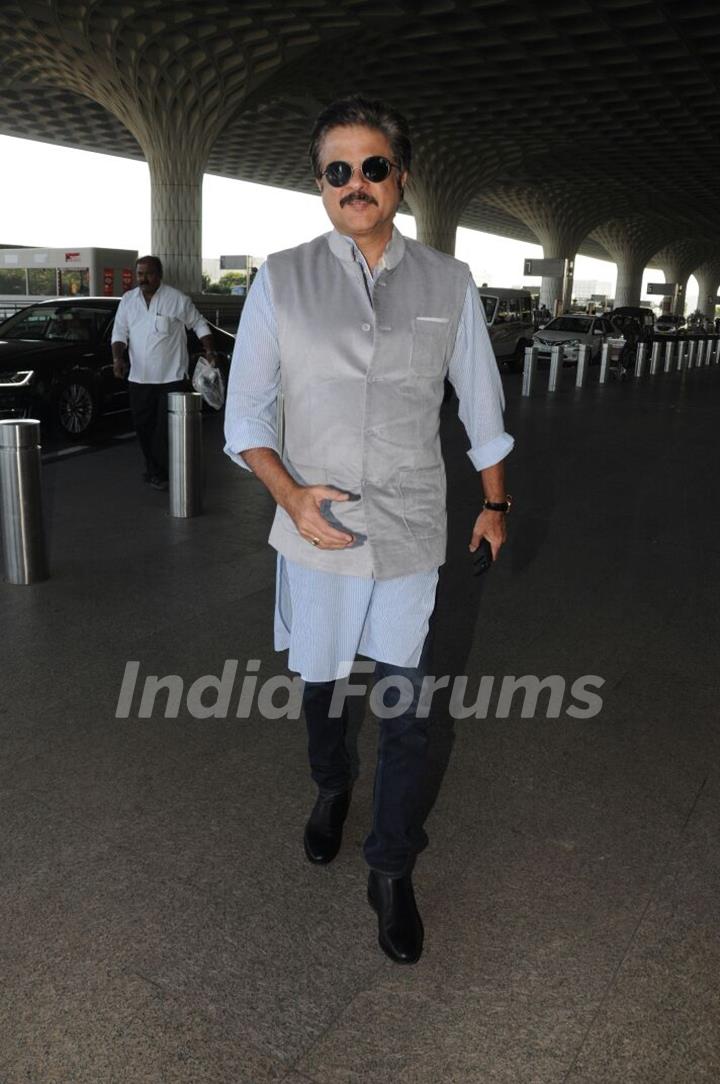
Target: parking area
[{"x": 160, "y": 920}]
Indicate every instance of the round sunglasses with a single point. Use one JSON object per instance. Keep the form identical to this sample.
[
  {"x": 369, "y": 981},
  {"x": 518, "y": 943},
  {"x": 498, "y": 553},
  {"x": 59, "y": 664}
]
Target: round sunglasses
[{"x": 374, "y": 169}]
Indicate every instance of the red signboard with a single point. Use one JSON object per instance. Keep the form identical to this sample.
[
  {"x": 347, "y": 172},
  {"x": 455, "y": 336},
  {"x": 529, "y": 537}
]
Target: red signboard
[
  {"x": 128, "y": 279},
  {"x": 108, "y": 281},
  {"x": 72, "y": 257}
]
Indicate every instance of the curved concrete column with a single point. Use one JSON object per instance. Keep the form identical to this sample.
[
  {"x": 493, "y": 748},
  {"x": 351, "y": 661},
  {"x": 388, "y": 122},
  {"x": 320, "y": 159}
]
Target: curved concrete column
[
  {"x": 708, "y": 279},
  {"x": 559, "y": 224},
  {"x": 436, "y": 216},
  {"x": 678, "y": 260},
  {"x": 630, "y": 242},
  {"x": 438, "y": 191},
  {"x": 176, "y": 201}
]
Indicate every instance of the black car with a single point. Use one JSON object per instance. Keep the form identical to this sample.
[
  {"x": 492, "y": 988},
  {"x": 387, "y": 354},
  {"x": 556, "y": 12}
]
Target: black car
[{"x": 56, "y": 363}]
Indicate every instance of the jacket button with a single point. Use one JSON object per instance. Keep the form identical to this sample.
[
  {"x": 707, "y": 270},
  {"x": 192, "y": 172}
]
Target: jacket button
[{"x": 365, "y": 327}]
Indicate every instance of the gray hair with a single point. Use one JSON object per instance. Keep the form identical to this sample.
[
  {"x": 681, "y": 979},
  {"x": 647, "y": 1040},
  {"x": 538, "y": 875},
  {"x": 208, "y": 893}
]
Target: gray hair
[{"x": 370, "y": 113}]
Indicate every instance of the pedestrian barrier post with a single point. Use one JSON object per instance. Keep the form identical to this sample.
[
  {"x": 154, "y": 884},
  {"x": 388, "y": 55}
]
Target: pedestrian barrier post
[
  {"x": 529, "y": 369},
  {"x": 700, "y": 353},
  {"x": 691, "y": 354},
  {"x": 555, "y": 362},
  {"x": 186, "y": 461},
  {"x": 582, "y": 364},
  {"x": 23, "y": 534},
  {"x": 604, "y": 362},
  {"x": 669, "y": 351}
]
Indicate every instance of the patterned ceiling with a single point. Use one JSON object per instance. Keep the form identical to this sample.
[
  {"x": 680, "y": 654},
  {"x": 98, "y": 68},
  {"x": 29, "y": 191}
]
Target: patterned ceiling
[{"x": 583, "y": 110}]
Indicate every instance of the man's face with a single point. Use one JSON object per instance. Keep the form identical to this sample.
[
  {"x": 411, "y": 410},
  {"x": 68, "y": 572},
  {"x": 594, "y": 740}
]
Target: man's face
[
  {"x": 148, "y": 278},
  {"x": 360, "y": 208}
]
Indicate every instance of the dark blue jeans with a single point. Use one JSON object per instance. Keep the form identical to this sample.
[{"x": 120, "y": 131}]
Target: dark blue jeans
[{"x": 397, "y": 834}]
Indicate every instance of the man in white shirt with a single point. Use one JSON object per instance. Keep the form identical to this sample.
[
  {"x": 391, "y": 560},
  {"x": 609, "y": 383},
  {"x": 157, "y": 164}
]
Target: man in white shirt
[
  {"x": 151, "y": 326},
  {"x": 359, "y": 328}
]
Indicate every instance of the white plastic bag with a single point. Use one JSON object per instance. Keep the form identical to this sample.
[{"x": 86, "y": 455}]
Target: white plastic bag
[{"x": 208, "y": 380}]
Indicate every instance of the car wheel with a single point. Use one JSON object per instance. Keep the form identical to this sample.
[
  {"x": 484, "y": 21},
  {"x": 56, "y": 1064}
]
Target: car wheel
[{"x": 75, "y": 409}]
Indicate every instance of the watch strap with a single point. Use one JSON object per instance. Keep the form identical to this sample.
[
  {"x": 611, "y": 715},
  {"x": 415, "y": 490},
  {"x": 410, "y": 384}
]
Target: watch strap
[{"x": 499, "y": 506}]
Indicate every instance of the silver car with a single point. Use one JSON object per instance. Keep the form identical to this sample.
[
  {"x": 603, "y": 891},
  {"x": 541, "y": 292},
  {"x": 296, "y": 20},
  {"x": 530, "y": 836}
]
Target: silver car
[{"x": 574, "y": 330}]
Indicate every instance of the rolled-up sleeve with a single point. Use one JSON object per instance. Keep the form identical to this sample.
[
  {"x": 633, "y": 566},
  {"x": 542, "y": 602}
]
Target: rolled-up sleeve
[
  {"x": 193, "y": 320},
  {"x": 254, "y": 382},
  {"x": 474, "y": 374}
]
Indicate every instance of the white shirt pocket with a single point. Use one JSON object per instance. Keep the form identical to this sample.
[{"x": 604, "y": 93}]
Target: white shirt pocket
[
  {"x": 429, "y": 345},
  {"x": 162, "y": 325}
]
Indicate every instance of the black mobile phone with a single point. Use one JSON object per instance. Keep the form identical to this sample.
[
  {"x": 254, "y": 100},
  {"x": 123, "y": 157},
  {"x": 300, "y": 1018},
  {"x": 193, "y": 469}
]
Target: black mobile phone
[{"x": 483, "y": 558}]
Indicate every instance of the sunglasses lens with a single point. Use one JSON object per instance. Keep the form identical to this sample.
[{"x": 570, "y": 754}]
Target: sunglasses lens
[
  {"x": 338, "y": 174},
  {"x": 376, "y": 168}
]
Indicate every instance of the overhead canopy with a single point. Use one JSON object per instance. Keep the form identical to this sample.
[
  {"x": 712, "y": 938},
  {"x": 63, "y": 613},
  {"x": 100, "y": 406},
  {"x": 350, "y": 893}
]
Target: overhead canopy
[{"x": 598, "y": 109}]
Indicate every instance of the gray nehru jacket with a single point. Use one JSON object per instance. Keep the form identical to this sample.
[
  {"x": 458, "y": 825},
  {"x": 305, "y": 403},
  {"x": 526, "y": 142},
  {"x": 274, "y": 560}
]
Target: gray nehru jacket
[{"x": 363, "y": 386}]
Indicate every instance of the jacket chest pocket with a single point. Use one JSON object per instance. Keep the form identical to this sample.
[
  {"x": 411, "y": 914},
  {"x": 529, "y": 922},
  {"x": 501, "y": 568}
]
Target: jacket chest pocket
[{"x": 429, "y": 345}]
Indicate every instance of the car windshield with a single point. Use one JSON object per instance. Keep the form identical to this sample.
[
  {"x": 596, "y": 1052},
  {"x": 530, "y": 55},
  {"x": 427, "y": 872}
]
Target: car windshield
[
  {"x": 57, "y": 322},
  {"x": 577, "y": 325}
]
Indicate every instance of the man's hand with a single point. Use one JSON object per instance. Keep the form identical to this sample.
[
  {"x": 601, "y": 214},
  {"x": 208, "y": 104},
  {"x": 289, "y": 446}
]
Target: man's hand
[
  {"x": 303, "y": 506},
  {"x": 208, "y": 347},
  {"x": 490, "y": 525},
  {"x": 121, "y": 368},
  {"x": 302, "y": 503}
]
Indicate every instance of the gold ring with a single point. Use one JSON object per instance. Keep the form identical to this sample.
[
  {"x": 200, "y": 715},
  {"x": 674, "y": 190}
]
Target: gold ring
[{"x": 314, "y": 541}]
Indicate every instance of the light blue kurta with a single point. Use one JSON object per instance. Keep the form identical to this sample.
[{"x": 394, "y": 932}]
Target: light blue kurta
[{"x": 323, "y": 619}]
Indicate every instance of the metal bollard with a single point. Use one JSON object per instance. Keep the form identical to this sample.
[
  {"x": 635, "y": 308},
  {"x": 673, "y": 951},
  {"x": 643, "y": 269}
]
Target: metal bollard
[
  {"x": 681, "y": 355},
  {"x": 21, "y": 502},
  {"x": 716, "y": 356},
  {"x": 555, "y": 363},
  {"x": 582, "y": 364},
  {"x": 186, "y": 460},
  {"x": 700, "y": 353},
  {"x": 604, "y": 362},
  {"x": 669, "y": 351},
  {"x": 655, "y": 358},
  {"x": 691, "y": 354},
  {"x": 640, "y": 359},
  {"x": 529, "y": 370}
]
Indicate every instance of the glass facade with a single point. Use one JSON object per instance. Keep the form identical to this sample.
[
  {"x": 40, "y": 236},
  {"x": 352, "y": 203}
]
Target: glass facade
[
  {"x": 12, "y": 280},
  {"x": 42, "y": 281}
]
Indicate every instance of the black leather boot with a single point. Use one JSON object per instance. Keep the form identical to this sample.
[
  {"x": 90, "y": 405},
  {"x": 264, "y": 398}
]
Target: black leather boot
[
  {"x": 400, "y": 928},
  {"x": 323, "y": 832}
]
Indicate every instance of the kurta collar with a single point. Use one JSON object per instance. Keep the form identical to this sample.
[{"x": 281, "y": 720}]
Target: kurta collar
[{"x": 342, "y": 246}]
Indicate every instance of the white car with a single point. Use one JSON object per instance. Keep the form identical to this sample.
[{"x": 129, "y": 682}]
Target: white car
[
  {"x": 509, "y": 316},
  {"x": 572, "y": 331},
  {"x": 669, "y": 324}
]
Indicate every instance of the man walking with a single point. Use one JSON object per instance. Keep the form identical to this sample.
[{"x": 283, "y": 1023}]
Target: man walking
[
  {"x": 359, "y": 328},
  {"x": 150, "y": 324}
]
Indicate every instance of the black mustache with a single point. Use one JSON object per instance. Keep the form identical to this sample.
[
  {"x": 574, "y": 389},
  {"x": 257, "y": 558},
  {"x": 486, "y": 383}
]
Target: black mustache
[{"x": 357, "y": 197}]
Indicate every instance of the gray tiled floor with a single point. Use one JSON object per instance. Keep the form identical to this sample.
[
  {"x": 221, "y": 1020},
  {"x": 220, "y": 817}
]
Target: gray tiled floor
[{"x": 159, "y": 921}]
